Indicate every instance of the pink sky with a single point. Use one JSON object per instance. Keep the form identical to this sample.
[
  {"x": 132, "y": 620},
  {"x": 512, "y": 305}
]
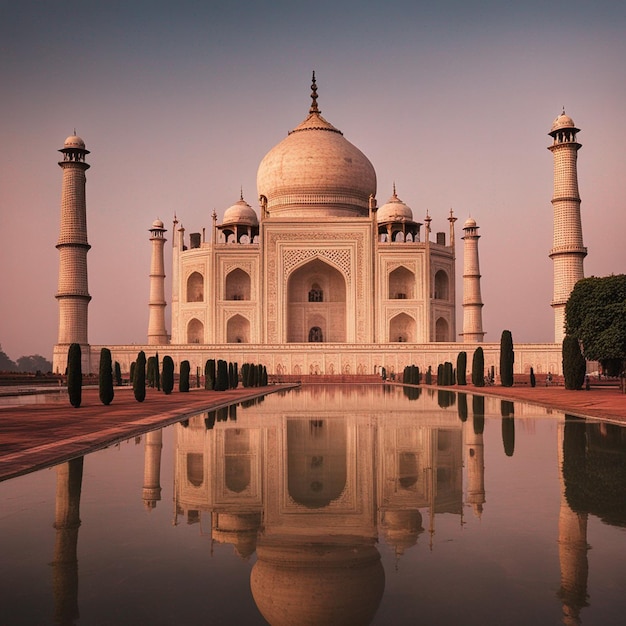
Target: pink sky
[{"x": 179, "y": 103}]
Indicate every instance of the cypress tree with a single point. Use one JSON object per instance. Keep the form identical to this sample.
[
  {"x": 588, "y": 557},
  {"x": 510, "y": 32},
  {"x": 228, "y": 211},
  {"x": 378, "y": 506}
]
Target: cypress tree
[
  {"x": 168, "y": 375},
  {"x": 212, "y": 374},
  {"x": 507, "y": 358},
  {"x": 118, "y": 374},
  {"x": 221, "y": 383},
  {"x": 131, "y": 374},
  {"x": 206, "y": 376},
  {"x": 157, "y": 373},
  {"x": 231, "y": 375},
  {"x": 533, "y": 380},
  {"x": 440, "y": 380},
  {"x": 449, "y": 370},
  {"x": 574, "y": 364},
  {"x": 263, "y": 376},
  {"x": 74, "y": 375},
  {"x": 461, "y": 368},
  {"x": 478, "y": 368},
  {"x": 429, "y": 375},
  {"x": 139, "y": 382},
  {"x": 236, "y": 375},
  {"x": 150, "y": 372},
  {"x": 183, "y": 381},
  {"x": 105, "y": 378}
]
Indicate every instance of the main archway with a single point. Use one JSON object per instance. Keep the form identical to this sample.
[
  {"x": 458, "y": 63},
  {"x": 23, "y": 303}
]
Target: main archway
[{"x": 316, "y": 299}]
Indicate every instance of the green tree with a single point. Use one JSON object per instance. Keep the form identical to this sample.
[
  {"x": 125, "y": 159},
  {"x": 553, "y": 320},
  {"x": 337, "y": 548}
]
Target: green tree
[
  {"x": 150, "y": 376},
  {"x": 157, "y": 373},
  {"x": 105, "y": 378},
  {"x": 221, "y": 383},
  {"x": 574, "y": 364},
  {"x": 33, "y": 363},
  {"x": 139, "y": 382},
  {"x": 74, "y": 375},
  {"x": 183, "y": 381},
  {"x": 6, "y": 364},
  {"x": 118, "y": 374},
  {"x": 595, "y": 314},
  {"x": 478, "y": 368},
  {"x": 168, "y": 375},
  {"x": 507, "y": 358},
  {"x": 461, "y": 368}
]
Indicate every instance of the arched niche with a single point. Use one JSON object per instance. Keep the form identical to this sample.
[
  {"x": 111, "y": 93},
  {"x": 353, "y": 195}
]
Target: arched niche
[
  {"x": 317, "y": 461},
  {"x": 442, "y": 285},
  {"x": 329, "y": 314},
  {"x": 237, "y": 463},
  {"x": 195, "y": 331},
  {"x": 401, "y": 284},
  {"x": 402, "y": 328},
  {"x": 195, "y": 287},
  {"x": 237, "y": 285},
  {"x": 238, "y": 329},
  {"x": 442, "y": 330},
  {"x": 195, "y": 468}
]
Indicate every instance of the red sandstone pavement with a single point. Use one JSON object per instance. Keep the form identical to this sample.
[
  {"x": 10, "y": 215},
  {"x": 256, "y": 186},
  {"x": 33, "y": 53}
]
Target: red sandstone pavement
[
  {"x": 34, "y": 436},
  {"x": 603, "y": 402},
  {"x": 40, "y": 435}
]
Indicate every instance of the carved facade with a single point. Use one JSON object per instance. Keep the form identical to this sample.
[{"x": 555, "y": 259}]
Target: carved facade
[{"x": 322, "y": 263}]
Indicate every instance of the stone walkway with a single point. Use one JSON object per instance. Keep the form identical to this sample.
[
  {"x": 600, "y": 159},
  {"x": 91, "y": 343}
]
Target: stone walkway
[
  {"x": 34, "y": 436},
  {"x": 604, "y": 402}
]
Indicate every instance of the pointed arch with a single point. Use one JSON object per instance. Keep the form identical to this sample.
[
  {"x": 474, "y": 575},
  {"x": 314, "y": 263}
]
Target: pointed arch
[
  {"x": 237, "y": 285},
  {"x": 195, "y": 331},
  {"x": 238, "y": 329},
  {"x": 195, "y": 287},
  {"x": 326, "y": 309},
  {"x": 316, "y": 461},
  {"x": 442, "y": 285},
  {"x": 442, "y": 330},
  {"x": 402, "y": 328},
  {"x": 401, "y": 284}
]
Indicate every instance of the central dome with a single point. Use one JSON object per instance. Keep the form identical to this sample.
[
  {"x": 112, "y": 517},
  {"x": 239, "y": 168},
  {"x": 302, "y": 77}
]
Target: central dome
[{"x": 316, "y": 172}]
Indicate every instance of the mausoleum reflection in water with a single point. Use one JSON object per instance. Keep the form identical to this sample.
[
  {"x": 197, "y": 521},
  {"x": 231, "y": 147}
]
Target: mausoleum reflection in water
[{"x": 348, "y": 505}]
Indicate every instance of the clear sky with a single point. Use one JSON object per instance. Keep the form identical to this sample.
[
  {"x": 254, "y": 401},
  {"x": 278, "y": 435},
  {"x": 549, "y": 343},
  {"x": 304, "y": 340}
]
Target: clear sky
[{"x": 178, "y": 102}]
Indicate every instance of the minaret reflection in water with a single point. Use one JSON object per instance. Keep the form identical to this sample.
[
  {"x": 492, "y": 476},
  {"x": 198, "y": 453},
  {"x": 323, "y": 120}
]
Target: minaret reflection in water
[{"x": 67, "y": 523}]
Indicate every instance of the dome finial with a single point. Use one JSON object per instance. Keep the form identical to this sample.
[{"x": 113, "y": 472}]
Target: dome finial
[
  {"x": 314, "y": 108},
  {"x": 241, "y": 193},
  {"x": 394, "y": 189}
]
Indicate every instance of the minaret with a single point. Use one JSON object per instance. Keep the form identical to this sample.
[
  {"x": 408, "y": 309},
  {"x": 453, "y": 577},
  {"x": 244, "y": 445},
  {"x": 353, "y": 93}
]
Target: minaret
[
  {"x": 567, "y": 251},
  {"x": 157, "y": 334},
  {"x": 72, "y": 294},
  {"x": 472, "y": 302}
]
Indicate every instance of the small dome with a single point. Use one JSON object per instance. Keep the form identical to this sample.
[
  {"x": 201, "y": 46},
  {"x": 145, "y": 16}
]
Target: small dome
[
  {"x": 240, "y": 213},
  {"x": 394, "y": 210},
  {"x": 157, "y": 224},
  {"x": 563, "y": 121},
  {"x": 74, "y": 141},
  {"x": 470, "y": 222}
]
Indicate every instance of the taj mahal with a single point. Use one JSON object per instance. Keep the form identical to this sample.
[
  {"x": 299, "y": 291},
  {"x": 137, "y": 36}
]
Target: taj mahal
[{"x": 319, "y": 278}]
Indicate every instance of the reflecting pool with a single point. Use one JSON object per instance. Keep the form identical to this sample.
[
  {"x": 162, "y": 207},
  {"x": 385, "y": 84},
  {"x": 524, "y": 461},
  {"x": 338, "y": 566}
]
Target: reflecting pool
[{"x": 328, "y": 505}]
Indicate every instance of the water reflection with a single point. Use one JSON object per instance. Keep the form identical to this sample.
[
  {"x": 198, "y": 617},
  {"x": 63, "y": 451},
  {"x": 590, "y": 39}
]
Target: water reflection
[
  {"x": 66, "y": 523},
  {"x": 316, "y": 490}
]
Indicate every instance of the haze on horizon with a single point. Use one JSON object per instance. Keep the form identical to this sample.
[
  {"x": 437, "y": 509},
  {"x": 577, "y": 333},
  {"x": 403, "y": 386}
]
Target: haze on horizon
[{"x": 178, "y": 104}]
